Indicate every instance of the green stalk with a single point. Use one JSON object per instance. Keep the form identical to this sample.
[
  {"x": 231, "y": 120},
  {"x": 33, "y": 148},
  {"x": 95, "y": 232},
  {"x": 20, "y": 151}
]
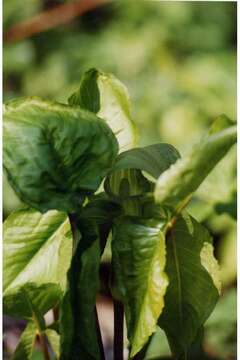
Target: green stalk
[{"x": 76, "y": 237}]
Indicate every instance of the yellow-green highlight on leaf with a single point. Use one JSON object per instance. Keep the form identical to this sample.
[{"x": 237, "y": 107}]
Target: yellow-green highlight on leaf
[
  {"x": 191, "y": 295},
  {"x": 184, "y": 177},
  {"x": 153, "y": 300},
  {"x": 106, "y": 96},
  {"x": 54, "y": 340},
  {"x": 115, "y": 109},
  {"x": 209, "y": 262},
  {"x": 139, "y": 278},
  {"x": 26, "y": 343},
  {"x": 36, "y": 249}
]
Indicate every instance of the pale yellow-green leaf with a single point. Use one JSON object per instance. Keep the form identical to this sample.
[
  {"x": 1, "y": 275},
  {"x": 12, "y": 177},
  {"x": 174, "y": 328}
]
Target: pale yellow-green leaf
[
  {"x": 209, "y": 262},
  {"x": 140, "y": 281}
]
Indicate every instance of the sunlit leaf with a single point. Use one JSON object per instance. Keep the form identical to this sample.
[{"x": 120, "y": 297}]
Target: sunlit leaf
[
  {"x": 106, "y": 96},
  {"x": 36, "y": 248},
  {"x": 54, "y": 340},
  {"x": 25, "y": 346},
  {"x": 184, "y": 177},
  {"x": 55, "y": 154},
  {"x": 36, "y": 255},
  {"x": 139, "y": 280}
]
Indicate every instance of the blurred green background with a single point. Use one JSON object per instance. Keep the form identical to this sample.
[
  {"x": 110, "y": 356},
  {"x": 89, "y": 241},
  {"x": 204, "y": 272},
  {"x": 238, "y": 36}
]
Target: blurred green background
[{"x": 178, "y": 60}]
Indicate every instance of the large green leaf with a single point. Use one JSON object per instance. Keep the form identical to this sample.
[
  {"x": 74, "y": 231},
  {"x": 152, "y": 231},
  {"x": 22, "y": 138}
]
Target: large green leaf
[
  {"x": 194, "y": 283},
  {"x": 37, "y": 248},
  {"x": 184, "y": 177},
  {"x": 106, "y": 96},
  {"x": 55, "y": 154},
  {"x": 126, "y": 177},
  {"x": 79, "y": 338},
  {"x": 31, "y": 301},
  {"x": 36, "y": 255},
  {"x": 25, "y": 346},
  {"x": 139, "y": 280}
]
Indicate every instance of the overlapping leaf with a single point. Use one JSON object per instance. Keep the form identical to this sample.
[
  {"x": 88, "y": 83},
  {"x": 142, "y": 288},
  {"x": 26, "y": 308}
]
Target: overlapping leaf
[
  {"x": 139, "y": 279},
  {"x": 183, "y": 178},
  {"x": 25, "y": 346},
  {"x": 36, "y": 248},
  {"x": 78, "y": 323},
  {"x": 55, "y": 154},
  {"x": 126, "y": 178},
  {"x": 79, "y": 337},
  {"x": 106, "y": 96},
  {"x": 194, "y": 283},
  {"x": 36, "y": 255}
]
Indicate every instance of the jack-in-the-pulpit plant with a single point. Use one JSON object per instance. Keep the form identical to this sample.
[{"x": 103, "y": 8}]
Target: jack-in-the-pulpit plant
[{"x": 83, "y": 180}]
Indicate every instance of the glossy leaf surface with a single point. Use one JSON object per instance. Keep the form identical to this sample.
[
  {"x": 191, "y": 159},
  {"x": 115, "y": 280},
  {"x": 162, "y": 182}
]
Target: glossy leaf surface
[
  {"x": 106, "y": 96},
  {"x": 184, "y": 177},
  {"x": 31, "y": 301},
  {"x": 139, "y": 279},
  {"x": 36, "y": 249},
  {"x": 194, "y": 283},
  {"x": 55, "y": 154},
  {"x": 126, "y": 178},
  {"x": 36, "y": 255}
]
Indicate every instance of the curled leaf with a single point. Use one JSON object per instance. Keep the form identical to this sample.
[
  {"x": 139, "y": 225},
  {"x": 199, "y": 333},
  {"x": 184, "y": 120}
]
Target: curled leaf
[
  {"x": 106, "y": 96},
  {"x": 55, "y": 155}
]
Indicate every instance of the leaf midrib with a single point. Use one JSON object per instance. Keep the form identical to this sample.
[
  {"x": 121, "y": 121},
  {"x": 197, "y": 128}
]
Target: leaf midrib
[{"x": 179, "y": 281}]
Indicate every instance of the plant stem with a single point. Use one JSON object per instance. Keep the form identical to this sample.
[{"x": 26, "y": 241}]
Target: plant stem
[
  {"x": 49, "y": 19},
  {"x": 118, "y": 330},
  {"x": 43, "y": 342},
  {"x": 75, "y": 232},
  {"x": 100, "y": 342},
  {"x": 76, "y": 236},
  {"x": 56, "y": 313}
]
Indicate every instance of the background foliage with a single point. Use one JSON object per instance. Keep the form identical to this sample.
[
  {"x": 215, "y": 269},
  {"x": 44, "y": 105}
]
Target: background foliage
[{"x": 178, "y": 60}]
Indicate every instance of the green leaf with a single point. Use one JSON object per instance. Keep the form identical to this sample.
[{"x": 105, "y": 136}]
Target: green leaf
[
  {"x": 37, "y": 248},
  {"x": 36, "y": 255},
  {"x": 158, "y": 346},
  {"x": 176, "y": 184},
  {"x": 54, "y": 340},
  {"x": 79, "y": 337},
  {"x": 31, "y": 301},
  {"x": 25, "y": 346},
  {"x": 106, "y": 96},
  {"x": 126, "y": 177},
  {"x": 153, "y": 159},
  {"x": 139, "y": 280},
  {"x": 54, "y": 154},
  {"x": 194, "y": 283},
  {"x": 77, "y": 321}
]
